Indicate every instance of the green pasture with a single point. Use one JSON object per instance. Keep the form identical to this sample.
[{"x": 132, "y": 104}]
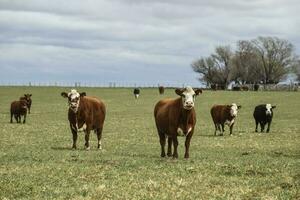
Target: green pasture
[{"x": 36, "y": 160}]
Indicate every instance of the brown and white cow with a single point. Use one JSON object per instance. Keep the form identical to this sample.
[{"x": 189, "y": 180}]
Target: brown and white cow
[
  {"x": 27, "y": 98},
  {"x": 87, "y": 113},
  {"x": 18, "y": 109},
  {"x": 176, "y": 117},
  {"x": 224, "y": 114}
]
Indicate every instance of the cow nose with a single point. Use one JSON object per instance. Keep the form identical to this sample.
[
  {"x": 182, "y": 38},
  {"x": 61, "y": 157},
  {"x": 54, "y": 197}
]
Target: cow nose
[{"x": 189, "y": 103}]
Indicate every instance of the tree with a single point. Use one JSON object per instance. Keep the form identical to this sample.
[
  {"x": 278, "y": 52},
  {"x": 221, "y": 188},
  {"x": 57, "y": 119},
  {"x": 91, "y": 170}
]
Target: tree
[
  {"x": 246, "y": 64},
  {"x": 216, "y": 68},
  {"x": 276, "y": 57}
]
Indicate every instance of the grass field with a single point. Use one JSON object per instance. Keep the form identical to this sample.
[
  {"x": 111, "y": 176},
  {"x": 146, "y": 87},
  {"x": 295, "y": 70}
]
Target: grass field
[{"x": 36, "y": 160}]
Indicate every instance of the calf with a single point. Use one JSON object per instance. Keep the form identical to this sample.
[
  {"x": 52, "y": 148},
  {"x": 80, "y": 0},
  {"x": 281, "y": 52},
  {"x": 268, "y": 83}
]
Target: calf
[
  {"x": 263, "y": 115},
  {"x": 27, "y": 98},
  {"x": 136, "y": 92},
  {"x": 87, "y": 113},
  {"x": 161, "y": 89},
  {"x": 176, "y": 117},
  {"x": 224, "y": 114},
  {"x": 18, "y": 109}
]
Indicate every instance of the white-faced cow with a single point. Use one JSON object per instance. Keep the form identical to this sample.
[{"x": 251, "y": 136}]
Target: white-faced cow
[
  {"x": 263, "y": 115},
  {"x": 136, "y": 93},
  {"x": 87, "y": 113},
  {"x": 176, "y": 117},
  {"x": 224, "y": 114}
]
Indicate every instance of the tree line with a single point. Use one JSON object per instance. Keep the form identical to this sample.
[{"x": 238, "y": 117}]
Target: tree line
[{"x": 264, "y": 60}]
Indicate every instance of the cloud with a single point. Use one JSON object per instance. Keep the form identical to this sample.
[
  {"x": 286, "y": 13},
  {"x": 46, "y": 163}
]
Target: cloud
[{"x": 130, "y": 40}]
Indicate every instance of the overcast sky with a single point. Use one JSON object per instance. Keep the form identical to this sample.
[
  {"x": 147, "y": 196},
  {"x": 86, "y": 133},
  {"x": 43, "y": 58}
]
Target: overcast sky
[{"x": 130, "y": 41}]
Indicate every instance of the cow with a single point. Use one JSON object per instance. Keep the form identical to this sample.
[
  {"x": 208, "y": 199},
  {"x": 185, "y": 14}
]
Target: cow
[
  {"x": 161, "y": 89},
  {"x": 136, "y": 93},
  {"x": 263, "y": 115},
  {"x": 176, "y": 117},
  {"x": 85, "y": 112},
  {"x": 27, "y": 98},
  {"x": 18, "y": 109},
  {"x": 224, "y": 114}
]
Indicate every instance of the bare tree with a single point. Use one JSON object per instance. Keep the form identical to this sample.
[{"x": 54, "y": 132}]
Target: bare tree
[
  {"x": 276, "y": 56},
  {"x": 216, "y": 68},
  {"x": 246, "y": 64}
]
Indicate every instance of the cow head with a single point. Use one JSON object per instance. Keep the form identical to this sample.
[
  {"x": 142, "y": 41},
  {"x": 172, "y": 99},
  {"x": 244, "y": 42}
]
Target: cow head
[
  {"x": 234, "y": 109},
  {"x": 73, "y": 99},
  {"x": 269, "y": 108},
  {"x": 188, "y": 95},
  {"x": 27, "y": 97}
]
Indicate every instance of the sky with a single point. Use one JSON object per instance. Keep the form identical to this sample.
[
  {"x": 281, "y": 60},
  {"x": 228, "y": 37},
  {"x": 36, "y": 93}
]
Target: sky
[{"x": 130, "y": 41}]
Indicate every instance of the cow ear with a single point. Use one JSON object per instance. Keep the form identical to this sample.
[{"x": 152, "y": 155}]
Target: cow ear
[
  {"x": 179, "y": 91},
  {"x": 198, "y": 91},
  {"x": 82, "y": 94},
  {"x": 273, "y": 107},
  {"x": 30, "y": 95},
  {"x": 64, "y": 94},
  {"x": 239, "y": 107}
]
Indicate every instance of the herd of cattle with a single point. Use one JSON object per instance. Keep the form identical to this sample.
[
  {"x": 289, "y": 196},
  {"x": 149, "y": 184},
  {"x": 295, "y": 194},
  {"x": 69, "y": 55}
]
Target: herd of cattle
[{"x": 173, "y": 117}]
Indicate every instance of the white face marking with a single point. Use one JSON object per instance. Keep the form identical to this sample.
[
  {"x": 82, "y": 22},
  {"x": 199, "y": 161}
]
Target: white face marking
[
  {"x": 136, "y": 96},
  {"x": 188, "y": 98},
  {"x": 234, "y": 110},
  {"x": 268, "y": 109},
  {"x": 74, "y": 98}
]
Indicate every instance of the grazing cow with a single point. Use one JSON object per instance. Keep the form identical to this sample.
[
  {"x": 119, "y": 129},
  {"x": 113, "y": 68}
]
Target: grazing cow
[
  {"x": 224, "y": 114},
  {"x": 87, "y": 113},
  {"x": 27, "y": 98},
  {"x": 161, "y": 89},
  {"x": 176, "y": 117},
  {"x": 136, "y": 92},
  {"x": 263, "y": 115},
  {"x": 18, "y": 109}
]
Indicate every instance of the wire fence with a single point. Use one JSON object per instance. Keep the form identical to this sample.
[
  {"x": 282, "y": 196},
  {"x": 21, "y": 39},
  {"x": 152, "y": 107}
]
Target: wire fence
[{"x": 95, "y": 84}]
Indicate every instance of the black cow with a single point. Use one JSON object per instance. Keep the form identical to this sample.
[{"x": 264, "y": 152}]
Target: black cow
[
  {"x": 136, "y": 92},
  {"x": 263, "y": 115}
]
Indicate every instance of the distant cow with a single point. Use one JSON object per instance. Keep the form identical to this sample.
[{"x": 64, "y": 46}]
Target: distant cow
[
  {"x": 263, "y": 115},
  {"x": 18, "y": 109},
  {"x": 87, "y": 113},
  {"x": 136, "y": 92},
  {"x": 161, "y": 89},
  {"x": 224, "y": 114},
  {"x": 244, "y": 88},
  {"x": 176, "y": 117},
  {"x": 27, "y": 98}
]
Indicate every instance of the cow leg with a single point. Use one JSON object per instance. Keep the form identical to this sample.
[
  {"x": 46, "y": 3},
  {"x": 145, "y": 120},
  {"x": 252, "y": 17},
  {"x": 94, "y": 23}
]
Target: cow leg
[
  {"x": 262, "y": 126},
  {"x": 99, "y": 136},
  {"x": 175, "y": 145},
  {"x": 187, "y": 144},
  {"x": 11, "y": 118},
  {"x": 216, "y": 128},
  {"x": 24, "y": 120},
  {"x": 256, "y": 125},
  {"x": 18, "y": 118},
  {"x": 230, "y": 128},
  {"x": 74, "y": 133},
  {"x": 221, "y": 128},
  {"x": 268, "y": 129},
  {"x": 87, "y": 138},
  {"x": 162, "y": 140},
  {"x": 169, "y": 153}
]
